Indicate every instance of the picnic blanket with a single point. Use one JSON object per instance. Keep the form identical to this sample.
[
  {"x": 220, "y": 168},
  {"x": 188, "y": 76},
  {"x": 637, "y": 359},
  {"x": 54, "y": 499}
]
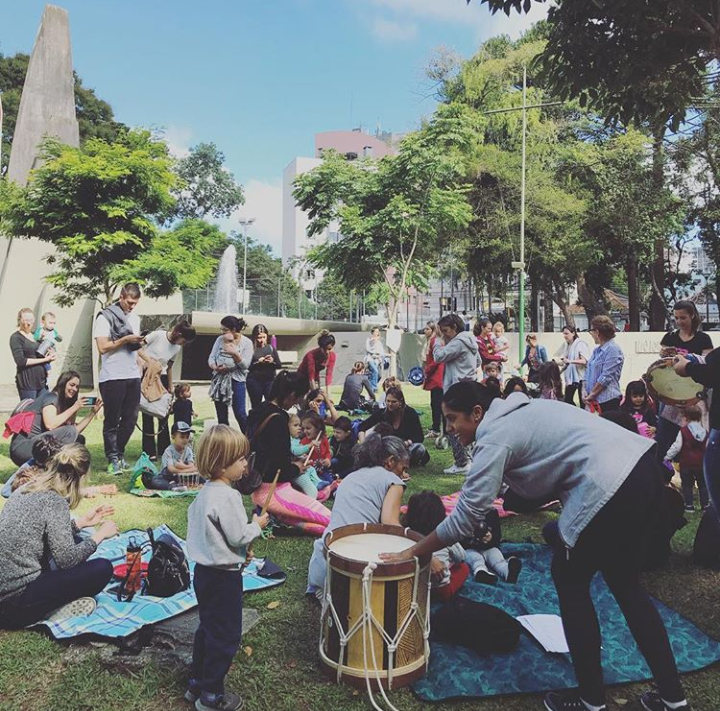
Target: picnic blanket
[
  {"x": 120, "y": 619},
  {"x": 456, "y": 671},
  {"x": 157, "y": 493}
]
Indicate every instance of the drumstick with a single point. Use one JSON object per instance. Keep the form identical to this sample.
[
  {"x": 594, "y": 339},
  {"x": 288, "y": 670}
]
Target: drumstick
[
  {"x": 313, "y": 444},
  {"x": 268, "y": 499}
]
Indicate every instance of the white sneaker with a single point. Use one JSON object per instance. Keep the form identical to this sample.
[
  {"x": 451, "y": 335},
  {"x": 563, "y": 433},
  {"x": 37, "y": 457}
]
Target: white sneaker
[
  {"x": 82, "y": 607},
  {"x": 455, "y": 469}
]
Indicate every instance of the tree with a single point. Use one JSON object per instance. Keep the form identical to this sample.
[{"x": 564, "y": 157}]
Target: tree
[
  {"x": 95, "y": 116},
  {"x": 182, "y": 258},
  {"x": 97, "y": 205},
  {"x": 206, "y": 188},
  {"x": 393, "y": 213}
]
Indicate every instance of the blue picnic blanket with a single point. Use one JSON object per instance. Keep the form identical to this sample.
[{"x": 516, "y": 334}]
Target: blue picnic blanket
[
  {"x": 456, "y": 671},
  {"x": 120, "y": 619}
]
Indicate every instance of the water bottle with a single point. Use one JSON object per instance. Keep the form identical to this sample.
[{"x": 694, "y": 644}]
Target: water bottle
[
  {"x": 273, "y": 342},
  {"x": 133, "y": 559}
]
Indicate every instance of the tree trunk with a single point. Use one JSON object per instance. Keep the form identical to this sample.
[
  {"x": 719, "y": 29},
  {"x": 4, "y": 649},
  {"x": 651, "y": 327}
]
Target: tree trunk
[
  {"x": 593, "y": 305},
  {"x": 658, "y": 308},
  {"x": 631, "y": 270},
  {"x": 563, "y": 305},
  {"x": 548, "y": 318}
]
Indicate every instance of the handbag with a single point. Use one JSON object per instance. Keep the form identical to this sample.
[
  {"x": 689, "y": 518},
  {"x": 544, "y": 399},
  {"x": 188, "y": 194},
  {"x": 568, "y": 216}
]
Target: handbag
[
  {"x": 157, "y": 408},
  {"x": 253, "y": 479},
  {"x": 168, "y": 570}
]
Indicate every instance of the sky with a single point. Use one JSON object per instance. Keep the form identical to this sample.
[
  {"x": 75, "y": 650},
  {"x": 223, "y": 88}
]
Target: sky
[{"x": 260, "y": 78}]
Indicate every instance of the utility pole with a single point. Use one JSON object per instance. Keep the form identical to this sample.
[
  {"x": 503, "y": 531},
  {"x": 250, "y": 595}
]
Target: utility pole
[{"x": 245, "y": 222}]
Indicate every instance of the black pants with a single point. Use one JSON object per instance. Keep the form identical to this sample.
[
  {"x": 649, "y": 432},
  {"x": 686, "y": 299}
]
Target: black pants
[
  {"x": 218, "y": 636},
  {"x": 257, "y": 390},
  {"x": 665, "y": 435},
  {"x": 53, "y": 589},
  {"x": 121, "y": 400},
  {"x": 689, "y": 476},
  {"x": 610, "y": 405},
  {"x": 570, "y": 391},
  {"x": 436, "y": 395},
  {"x": 612, "y": 543},
  {"x": 163, "y": 430}
]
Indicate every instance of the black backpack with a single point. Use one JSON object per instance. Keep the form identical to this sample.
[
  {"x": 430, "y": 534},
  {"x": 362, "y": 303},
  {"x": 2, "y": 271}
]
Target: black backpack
[
  {"x": 483, "y": 628},
  {"x": 168, "y": 571}
]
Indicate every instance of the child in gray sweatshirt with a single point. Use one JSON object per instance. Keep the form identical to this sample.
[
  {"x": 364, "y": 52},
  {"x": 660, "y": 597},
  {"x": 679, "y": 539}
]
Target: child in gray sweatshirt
[{"x": 218, "y": 536}]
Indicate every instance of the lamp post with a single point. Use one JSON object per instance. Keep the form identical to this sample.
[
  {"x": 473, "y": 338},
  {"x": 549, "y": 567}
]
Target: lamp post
[{"x": 245, "y": 222}]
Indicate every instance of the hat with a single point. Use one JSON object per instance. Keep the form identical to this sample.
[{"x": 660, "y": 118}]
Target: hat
[{"x": 183, "y": 427}]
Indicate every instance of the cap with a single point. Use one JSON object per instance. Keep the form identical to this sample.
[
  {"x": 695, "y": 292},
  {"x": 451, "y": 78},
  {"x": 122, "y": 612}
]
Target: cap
[{"x": 183, "y": 427}]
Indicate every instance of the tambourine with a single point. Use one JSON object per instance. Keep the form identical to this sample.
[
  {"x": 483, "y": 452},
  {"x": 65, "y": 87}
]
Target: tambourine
[{"x": 669, "y": 387}]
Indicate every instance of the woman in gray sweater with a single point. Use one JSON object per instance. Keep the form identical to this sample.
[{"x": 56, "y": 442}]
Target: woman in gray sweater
[
  {"x": 35, "y": 529},
  {"x": 610, "y": 488}
]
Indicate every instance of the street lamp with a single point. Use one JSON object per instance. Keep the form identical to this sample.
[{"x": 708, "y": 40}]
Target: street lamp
[{"x": 245, "y": 222}]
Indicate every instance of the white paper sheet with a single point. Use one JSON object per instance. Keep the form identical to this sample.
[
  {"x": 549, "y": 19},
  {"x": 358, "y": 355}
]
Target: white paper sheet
[
  {"x": 393, "y": 340},
  {"x": 547, "y": 630}
]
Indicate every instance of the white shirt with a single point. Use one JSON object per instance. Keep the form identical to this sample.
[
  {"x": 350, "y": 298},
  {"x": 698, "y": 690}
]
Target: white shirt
[
  {"x": 120, "y": 364},
  {"x": 159, "y": 348}
]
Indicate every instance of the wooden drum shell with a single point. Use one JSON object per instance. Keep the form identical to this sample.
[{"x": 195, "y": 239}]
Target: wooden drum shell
[{"x": 392, "y": 593}]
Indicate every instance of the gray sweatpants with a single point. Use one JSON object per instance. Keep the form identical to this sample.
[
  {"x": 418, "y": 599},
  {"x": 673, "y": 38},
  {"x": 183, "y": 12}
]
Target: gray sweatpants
[{"x": 489, "y": 561}]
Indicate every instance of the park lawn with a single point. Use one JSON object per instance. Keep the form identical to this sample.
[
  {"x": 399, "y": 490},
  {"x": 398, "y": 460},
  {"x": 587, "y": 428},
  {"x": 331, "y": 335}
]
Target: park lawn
[{"x": 282, "y": 671}]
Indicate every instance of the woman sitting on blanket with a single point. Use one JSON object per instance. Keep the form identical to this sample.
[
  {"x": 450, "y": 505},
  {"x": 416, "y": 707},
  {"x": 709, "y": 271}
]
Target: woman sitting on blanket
[
  {"x": 35, "y": 526},
  {"x": 270, "y": 441},
  {"x": 371, "y": 494}
]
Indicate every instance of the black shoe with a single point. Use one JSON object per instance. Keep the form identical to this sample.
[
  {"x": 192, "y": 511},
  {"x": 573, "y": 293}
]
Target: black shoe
[
  {"x": 514, "y": 568},
  {"x": 651, "y": 701},
  {"x": 220, "y": 702},
  {"x": 569, "y": 701},
  {"x": 482, "y": 576}
]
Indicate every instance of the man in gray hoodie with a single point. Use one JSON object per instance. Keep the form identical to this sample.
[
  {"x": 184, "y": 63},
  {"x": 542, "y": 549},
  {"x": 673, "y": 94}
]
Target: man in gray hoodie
[
  {"x": 610, "y": 487},
  {"x": 457, "y": 350}
]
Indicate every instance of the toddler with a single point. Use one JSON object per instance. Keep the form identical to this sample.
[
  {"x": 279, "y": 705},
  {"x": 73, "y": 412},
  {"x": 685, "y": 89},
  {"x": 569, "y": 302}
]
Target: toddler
[
  {"x": 491, "y": 370},
  {"x": 217, "y": 539},
  {"x": 308, "y": 481},
  {"x": 46, "y": 335},
  {"x": 483, "y": 556},
  {"x": 313, "y": 429},
  {"x": 178, "y": 458},
  {"x": 637, "y": 403},
  {"x": 221, "y": 388},
  {"x": 549, "y": 381},
  {"x": 341, "y": 446},
  {"x": 689, "y": 450},
  {"x": 183, "y": 406}
]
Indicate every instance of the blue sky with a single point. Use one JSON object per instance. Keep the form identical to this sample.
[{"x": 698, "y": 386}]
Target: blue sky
[{"x": 260, "y": 78}]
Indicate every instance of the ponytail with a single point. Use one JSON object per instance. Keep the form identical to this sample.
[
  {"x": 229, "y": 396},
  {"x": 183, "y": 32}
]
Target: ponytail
[
  {"x": 63, "y": 474},
  {"x": 376, "y": 449},
  {"x": 325, "y": 339},
  {"x": 464, "y": 397},
  {"x": 286, "y": 384}
]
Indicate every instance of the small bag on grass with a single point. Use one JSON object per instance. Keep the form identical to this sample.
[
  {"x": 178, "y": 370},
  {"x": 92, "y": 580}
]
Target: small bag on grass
[
  {"x": 168, "y": 572},
  {"x": 142, "y": 473}
]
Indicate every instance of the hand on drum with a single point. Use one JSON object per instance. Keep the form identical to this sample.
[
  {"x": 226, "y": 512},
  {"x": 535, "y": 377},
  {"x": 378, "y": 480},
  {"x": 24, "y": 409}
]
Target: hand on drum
[
  {"x": 396, "y": 557},
  {"x": 679, "y": 365}
]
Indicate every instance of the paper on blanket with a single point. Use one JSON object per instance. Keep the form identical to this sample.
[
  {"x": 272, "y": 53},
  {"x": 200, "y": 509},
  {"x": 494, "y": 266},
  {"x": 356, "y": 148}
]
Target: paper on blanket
[{"x": 548, "y": 630}]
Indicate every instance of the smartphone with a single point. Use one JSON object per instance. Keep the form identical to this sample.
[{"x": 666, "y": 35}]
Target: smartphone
[{"x": 91, "y": 399}]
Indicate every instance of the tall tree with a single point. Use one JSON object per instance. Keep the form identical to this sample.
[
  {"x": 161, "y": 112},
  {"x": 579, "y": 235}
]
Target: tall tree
[
  {"x": 206, "y": 188},
  {"x": 97, "y": 205}
]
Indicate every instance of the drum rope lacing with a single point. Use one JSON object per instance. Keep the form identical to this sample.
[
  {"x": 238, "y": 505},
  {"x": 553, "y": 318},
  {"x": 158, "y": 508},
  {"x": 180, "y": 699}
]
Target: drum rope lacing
[{"x": 367, "y": 621}]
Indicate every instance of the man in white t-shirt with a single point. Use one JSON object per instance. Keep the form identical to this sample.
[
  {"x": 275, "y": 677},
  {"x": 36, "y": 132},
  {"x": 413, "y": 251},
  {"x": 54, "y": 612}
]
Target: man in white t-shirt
[{"x": 117, "y": 334}]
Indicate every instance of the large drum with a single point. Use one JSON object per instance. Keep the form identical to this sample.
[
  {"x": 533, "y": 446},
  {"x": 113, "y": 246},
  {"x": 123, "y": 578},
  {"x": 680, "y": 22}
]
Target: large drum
[
  {"x": 667, "y": 386},
  {"x": 375, "y": 619}
]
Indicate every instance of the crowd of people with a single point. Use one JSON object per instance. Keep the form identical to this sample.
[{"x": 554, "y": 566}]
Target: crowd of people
[{"x": 531, "y": 439}]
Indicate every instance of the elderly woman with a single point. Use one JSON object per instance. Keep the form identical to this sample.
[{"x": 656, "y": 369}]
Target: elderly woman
[
  {"x": 31, "y": 375},
  {"x": 35, "y": 527},
  {"x": 602, "y": 387},
  {"x": 55, "y": 412},
  {"x": 230, "y": 356},
  {"x": 610, "y": 487}
]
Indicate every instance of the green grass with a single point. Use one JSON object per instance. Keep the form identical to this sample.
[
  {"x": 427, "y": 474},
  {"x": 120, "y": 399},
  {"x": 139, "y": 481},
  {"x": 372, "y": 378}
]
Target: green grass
[{"x": 282, "y": 673}]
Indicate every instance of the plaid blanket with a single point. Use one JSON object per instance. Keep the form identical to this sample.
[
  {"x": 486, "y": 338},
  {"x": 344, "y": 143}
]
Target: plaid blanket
[
  {"x": 160, "y": 494},
  {"x": 120, "y": 619}
]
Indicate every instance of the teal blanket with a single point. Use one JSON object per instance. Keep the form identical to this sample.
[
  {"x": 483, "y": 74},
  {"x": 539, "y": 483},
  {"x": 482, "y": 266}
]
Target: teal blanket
[{"x": 458, "y": 672}]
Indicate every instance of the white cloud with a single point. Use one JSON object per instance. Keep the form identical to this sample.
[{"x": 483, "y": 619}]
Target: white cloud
[
  {"x": 390, "y": 31},
  {"x": 516, "y": 24},
  {"x": 178, "y": 139},
  {"x": 444, "y": 10},
  {"x": 263, "y": 201}
]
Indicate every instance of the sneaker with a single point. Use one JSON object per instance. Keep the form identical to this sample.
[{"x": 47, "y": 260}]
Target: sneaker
[
  {"x": 455, "y": 469},
  {"x": 114, "y": 468},
  {"x": 192, "y": 693},
  {"x": 124, "y": 465},
  {"x": 82, "y": 607},
  {"x": 690, "y": 509},
  {"x": 514, "y": 568},
  {"x": 566, "y": 702},
  {"x": 483, "y": 576},
  {"x": 651, "y": 701},
  {"x": 219, "y": 702},
  {"x": 432, "y": 433}
]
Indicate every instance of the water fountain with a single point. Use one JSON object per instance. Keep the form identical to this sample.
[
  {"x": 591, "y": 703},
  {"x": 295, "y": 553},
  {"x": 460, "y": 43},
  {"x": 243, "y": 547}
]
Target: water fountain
[{"x": 226, "y": 291}]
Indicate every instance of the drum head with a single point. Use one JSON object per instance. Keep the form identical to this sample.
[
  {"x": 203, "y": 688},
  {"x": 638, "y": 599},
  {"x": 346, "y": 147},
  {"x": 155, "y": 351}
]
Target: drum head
[
  {"x": 671, "y": 388},
  {"x": 366, "y": 547}
]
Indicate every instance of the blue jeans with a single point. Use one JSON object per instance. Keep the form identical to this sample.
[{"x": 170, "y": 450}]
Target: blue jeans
[
  {"x": 712, "y": 468},
  {"x": 218, "y": 636},
  {"x": 238, "y": 406},
  {"x": 373, "y": 374},
  {"x": 30, "y": 394}
]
